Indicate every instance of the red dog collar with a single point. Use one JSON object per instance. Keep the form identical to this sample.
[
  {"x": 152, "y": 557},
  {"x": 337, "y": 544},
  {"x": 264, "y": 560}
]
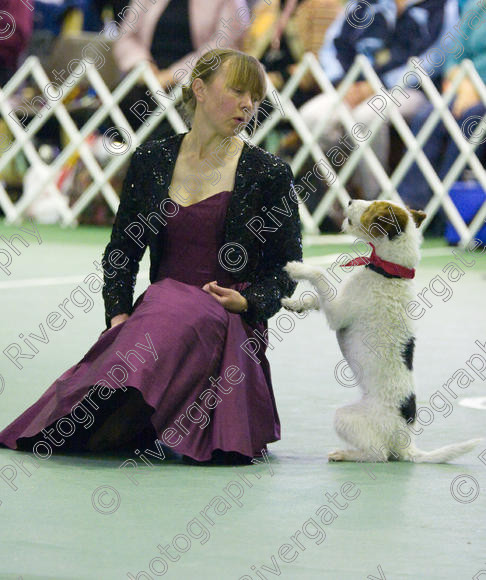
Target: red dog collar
[{"x": 390, "y": 268}]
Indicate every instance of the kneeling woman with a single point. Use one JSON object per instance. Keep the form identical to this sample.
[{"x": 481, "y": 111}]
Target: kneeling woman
[{"x": 186, "y": 363}]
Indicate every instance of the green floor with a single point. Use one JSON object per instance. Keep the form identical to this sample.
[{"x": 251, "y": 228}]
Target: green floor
[{"x": 399, "y": 520}]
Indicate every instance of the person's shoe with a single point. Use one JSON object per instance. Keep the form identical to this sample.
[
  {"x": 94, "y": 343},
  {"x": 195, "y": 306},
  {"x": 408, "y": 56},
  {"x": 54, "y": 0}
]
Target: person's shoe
[
  {"x": 230, "y": 458},
  {"x": 190, "y": 461},
  {"x": 220, "y": 458}
]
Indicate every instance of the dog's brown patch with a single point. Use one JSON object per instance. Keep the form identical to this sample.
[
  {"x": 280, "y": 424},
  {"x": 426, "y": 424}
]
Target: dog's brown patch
[
  {"x": 383, "y": 218},
  {"x": 418, "y": 216}
]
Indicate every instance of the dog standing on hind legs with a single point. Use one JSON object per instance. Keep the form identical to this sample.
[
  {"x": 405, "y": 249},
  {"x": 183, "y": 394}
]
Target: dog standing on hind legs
[{"x": 371, "y": 303}]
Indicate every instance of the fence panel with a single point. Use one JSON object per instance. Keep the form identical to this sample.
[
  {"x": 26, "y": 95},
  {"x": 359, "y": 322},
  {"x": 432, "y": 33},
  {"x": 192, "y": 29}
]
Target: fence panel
[{"x": 23, "y": 136}]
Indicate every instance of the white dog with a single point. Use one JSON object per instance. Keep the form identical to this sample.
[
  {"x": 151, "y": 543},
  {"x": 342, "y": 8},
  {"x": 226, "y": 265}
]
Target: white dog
[{"x": 368, "y": 309}]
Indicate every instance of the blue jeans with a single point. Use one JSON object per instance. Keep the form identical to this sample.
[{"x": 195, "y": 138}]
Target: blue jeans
[{"x": 441, "y": 150}]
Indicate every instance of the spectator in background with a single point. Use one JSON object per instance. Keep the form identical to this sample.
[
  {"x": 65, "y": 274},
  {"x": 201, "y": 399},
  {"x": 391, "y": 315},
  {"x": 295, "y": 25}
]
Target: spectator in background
[
  {"x": 116, "y": 6},
  {"x": 170, "y": 35},
  {"x": 441, "y": 149},
  {"x": 54, "y": 18},
  {"x": 50, "y": 15},
  {"x": 15, "y": 36},
  {"x": 312, "y": 19},
  {"x": 397, "y": 31},
  {"x": 287, "y": 11},
  {"x": 172, "y": 31},
  {"x": 307, "y": 29},
  {"x": 281, "y": 35}
]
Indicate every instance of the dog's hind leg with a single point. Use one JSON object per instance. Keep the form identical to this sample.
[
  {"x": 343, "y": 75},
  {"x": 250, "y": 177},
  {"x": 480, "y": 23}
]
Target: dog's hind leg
[
  {"x": 354, "y": 424},
  {"x": 356, "y": 455}
]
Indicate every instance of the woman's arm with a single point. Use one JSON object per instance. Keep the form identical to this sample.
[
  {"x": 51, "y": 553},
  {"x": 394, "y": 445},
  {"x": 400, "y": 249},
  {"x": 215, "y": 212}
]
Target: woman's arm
[
  {"x": 133, "y": 45},
  {"x": 288, "y": 10},
  {"x": 125, "y": 251},
  {"x": 227, "y": 30},
  {"x": 284, "y": 245}
]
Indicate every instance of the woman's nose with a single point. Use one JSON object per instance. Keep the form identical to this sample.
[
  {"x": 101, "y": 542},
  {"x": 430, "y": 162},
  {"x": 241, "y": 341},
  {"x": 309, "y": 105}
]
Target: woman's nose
[{"x": 247, "y": 102}]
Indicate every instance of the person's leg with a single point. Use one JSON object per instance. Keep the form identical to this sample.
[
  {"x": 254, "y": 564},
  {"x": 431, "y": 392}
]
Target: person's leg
[
  {"x": 414, "y": 189},
  {"x": 363, "y": 113},
  {"x": 312, "y": 112},
  {"x": 122, "y": 425},
  {"x": 467, "y": 122},
  {"x": 364, "y": 177},
  {"x": 410, "y": 107}
]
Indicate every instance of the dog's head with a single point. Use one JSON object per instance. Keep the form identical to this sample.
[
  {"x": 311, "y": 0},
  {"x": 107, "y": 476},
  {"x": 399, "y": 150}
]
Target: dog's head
[{"x": 393, "y": 229}]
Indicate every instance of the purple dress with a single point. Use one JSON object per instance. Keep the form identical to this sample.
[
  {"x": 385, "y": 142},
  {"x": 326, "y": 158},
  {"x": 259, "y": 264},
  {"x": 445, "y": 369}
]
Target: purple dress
[{"x": 180, "y": 349}]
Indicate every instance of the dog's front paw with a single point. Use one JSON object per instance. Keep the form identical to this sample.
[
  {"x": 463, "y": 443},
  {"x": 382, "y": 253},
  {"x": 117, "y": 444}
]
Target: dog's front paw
[
  {"x": 301, "y": 271},
  {"x": 336, "y": 455},
  {"x": 292, "y": 304},
  {"x": 295, "y": 270}
]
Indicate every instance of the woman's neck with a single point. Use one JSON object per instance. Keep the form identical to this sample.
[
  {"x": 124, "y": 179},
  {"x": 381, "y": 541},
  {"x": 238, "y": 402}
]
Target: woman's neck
[{"x": 202, "y": 143}]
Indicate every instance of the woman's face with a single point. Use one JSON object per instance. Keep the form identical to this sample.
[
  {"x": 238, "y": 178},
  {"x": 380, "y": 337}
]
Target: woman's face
[{"x": 227, "y": 109}]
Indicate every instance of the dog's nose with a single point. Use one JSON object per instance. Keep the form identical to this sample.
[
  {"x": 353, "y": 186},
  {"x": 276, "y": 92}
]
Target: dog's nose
[{"x": 350, "y": 202}]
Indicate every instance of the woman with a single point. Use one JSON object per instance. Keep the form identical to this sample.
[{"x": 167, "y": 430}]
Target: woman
[{"x": 186, "y": 363}]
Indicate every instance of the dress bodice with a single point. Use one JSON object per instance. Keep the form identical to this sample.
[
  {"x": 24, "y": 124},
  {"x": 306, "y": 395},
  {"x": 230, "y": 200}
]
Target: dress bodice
[{"x": 192, "y": 241}]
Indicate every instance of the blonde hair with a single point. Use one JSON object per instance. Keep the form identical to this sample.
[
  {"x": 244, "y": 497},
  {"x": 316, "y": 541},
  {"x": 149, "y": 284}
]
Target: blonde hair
[{"x": 245, "y": 72}]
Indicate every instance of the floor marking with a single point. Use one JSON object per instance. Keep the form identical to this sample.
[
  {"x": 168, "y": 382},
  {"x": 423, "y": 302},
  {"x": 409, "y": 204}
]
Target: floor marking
[
  {"x": 77, "y": 279},
  {"x": 59, "y": 281},
  {"x": 474, "y": 403}
]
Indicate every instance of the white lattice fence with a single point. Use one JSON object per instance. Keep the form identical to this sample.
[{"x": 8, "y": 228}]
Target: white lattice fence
[
  {"x": 166, "y": 109},
  {"x": 77, "y": 144},
  {"x": 362, "y": 69}
]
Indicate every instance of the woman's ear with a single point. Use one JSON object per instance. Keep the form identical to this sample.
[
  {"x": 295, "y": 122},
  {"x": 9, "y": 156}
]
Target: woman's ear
[{"x": 199, "y": 89}]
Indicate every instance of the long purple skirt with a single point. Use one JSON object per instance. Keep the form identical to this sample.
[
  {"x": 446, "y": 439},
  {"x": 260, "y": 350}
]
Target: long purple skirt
[{"x": 186, "y": 355}]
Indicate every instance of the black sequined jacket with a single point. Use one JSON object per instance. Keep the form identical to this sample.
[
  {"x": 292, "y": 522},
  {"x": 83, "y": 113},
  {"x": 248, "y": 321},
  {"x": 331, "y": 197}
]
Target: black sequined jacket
[{"x": 262, "y": 181}]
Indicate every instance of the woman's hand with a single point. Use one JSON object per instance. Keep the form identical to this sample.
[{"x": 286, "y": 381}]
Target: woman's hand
[
  {"x": 466, "y": 98},
  {"x": 230, "y": 299},
  {"x": 357, "y": 93},
  {"x": 165, "y": 76},
  {"x": 118, "y": 319},
  {"x": 166, "y": 79}
]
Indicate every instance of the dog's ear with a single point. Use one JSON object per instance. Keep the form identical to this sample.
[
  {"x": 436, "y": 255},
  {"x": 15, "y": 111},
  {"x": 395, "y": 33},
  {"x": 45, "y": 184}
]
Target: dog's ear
[
  {"x": 385, "y": 219},
  {"x": 418, "y": 216}
]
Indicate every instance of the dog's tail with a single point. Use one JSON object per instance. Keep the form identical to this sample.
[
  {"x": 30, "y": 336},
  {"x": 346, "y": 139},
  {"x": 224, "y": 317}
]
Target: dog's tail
[{"x": 443, "y": 454}]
